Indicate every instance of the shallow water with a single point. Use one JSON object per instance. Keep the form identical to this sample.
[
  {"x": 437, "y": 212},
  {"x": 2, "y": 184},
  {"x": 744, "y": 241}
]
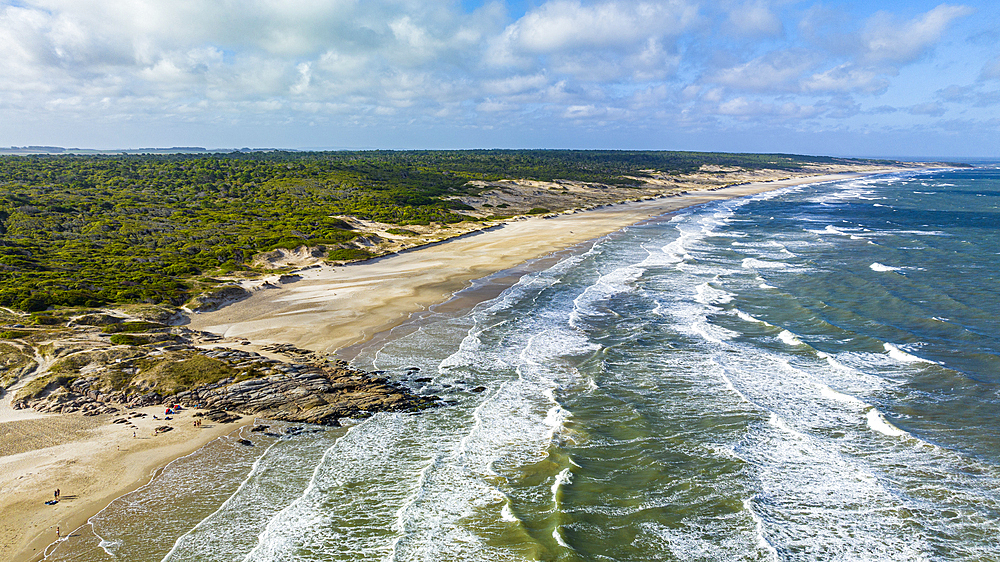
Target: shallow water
[{"x": 807, "y": 374}]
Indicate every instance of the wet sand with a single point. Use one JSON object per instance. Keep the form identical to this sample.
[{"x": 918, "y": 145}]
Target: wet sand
[{"x": 90, "y": 461}]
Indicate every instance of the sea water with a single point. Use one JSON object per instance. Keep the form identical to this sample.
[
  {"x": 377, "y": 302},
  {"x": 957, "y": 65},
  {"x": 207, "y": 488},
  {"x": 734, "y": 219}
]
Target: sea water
[{"x": 806, "y": 374}]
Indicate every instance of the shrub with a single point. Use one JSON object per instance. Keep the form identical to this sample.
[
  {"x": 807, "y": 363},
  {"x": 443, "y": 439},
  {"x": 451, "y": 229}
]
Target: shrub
[
  {"x": 126, "y": 339},
  {"x": 348, "y": 254},
  {"x": 131, "y": 327},
  {"x": 401, "y": 232}
]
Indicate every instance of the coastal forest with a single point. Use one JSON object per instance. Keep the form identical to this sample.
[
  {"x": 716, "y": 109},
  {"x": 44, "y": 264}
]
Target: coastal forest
[{"x": 94, "y": 230}]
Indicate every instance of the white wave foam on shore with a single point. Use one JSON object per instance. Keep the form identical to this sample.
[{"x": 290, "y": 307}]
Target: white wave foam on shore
[{"x": 883, "y": 268}]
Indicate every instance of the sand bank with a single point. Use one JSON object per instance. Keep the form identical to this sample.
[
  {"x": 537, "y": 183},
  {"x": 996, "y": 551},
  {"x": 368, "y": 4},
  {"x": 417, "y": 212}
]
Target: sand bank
[{"x": 331, "y": 308}]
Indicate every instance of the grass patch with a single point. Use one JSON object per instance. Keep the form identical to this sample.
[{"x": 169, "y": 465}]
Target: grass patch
[
  {"x": 128, "y": 339},
  {"x": 349, "y": 254},
  {"x": 41, "y": 385},
  {"x": 401, "y": 232},
  {"x": 172, "y": 376},
  {"x": 132, "y": 327},
  {"x": 13, "y": 364}
]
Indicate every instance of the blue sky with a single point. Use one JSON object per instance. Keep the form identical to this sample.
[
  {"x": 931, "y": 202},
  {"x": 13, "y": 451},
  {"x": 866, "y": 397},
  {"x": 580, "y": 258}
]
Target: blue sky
[{"x": 915, "y": 78}]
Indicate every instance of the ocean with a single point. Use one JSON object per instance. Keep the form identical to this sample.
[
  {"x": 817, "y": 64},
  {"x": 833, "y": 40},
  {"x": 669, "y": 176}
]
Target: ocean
[{"x": 807, "y": 374}]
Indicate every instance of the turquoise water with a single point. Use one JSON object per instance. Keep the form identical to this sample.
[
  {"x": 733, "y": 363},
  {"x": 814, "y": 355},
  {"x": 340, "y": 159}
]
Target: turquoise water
[{"x": 808, "y": 374}]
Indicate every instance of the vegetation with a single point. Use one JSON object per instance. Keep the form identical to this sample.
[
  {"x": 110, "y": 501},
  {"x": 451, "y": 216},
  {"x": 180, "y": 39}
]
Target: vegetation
[
  {"x": 180, "y": 374},
  {"x": 13, "y": 363},
  {"x": 127, "y": 339},
  {"x": 401, "y": 232},
  {"x": 131, "y": 327},
  {"x": 129, "y": 370},
  {"x": 89, "y": 231}
]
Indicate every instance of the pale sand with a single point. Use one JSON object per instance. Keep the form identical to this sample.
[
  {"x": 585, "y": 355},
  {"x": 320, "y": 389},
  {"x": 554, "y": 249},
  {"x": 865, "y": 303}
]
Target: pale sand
[
  {"x": 329, "y": 309},
  {"x": 93, "y": 463},
  {"x": 332, "y": 308}
]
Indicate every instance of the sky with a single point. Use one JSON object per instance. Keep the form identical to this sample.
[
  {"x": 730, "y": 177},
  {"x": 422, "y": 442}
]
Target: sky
[{"x": 853, "y": 78}]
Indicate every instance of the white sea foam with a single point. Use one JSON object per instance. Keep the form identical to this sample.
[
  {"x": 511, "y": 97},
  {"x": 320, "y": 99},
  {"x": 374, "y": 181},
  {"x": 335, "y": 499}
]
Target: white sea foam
[
  {"x": 840, "y": 396},
  {"x": 877, "y": 422},
  {"x": 754, "y": 263},
  {"x": 563, "y": 478},
  {"x": 789, "y": 338},
  {"x": 707, "y": 294},
  {"x": 744, "y": 316},
  {"x": 507, "y": 515},
  {"x": 902, "y": 356},
  {"x": 883, "y": 268},
  {"x": 557, "y": 535}
]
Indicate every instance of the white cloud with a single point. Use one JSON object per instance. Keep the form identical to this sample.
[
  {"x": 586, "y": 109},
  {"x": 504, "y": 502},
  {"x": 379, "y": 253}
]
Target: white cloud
[
  {"x": 516, "y": 84},
  {"x": 777, "y": 70},
  {"x": 754, "y": 18},
  {"x": 863, "y": 59},
  {"x": 991, "y": 71},
  {"x": 846, "y": 78},
  {"x": 567, "y": 24},
  {"x": 885, "y": 39},
  {"x": 933, "y": 109},
  {"x": 672, "y": 63}
]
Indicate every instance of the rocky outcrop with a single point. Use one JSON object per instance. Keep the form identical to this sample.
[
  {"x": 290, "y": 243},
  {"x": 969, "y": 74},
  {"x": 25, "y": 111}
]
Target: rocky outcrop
[
  {"x": 66, "y": 401},
  {"x": 296, "y": 392},
  {"x": 311, "y": 395}
]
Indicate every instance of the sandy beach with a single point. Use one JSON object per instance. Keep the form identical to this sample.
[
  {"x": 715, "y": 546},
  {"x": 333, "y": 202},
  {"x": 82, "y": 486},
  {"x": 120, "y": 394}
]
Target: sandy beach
[
  {"x": 329, "y": 309},
  {"x": 332, "y": 308},
  {"x": 90, "y": 461}
]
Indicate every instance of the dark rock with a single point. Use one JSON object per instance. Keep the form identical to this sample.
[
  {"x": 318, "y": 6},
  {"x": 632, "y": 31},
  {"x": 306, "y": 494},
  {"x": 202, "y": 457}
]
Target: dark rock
[
  {"x": 221, "y": 416},
  {"x": 246, "y": 442},
  {"x": 259, "y": 428},
  {"x": 164, "y": 429},
  {"x": 478, "y": 389},
  {"x": 423, "y": 379},
  {"x": 318, "y": 393}
]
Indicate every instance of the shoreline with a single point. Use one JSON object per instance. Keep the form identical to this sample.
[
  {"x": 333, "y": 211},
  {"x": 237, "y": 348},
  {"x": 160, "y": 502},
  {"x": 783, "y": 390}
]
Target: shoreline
[
  {"x": 331, "y": 310},
  {"x": 92, "y": 468}
]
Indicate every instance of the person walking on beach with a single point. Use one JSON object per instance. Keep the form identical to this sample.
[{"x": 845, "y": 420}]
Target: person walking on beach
[
  {"x": 57, "y": 494},
  {"x": 58, "y": 534}
]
